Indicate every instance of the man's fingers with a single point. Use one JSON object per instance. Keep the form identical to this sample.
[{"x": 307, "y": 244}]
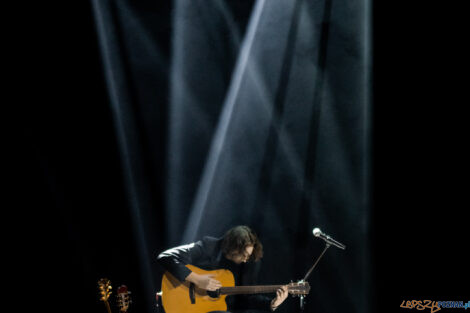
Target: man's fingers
[
  {"x": 281, "y": 292},
  {"x": 214, "y": 284}
]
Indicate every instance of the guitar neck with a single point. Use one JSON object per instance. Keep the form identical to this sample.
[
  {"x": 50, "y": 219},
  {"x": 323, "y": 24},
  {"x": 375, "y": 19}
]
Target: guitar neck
[
  {"x": 108, "y": 307},
  {"x": 249, "y": 289}
]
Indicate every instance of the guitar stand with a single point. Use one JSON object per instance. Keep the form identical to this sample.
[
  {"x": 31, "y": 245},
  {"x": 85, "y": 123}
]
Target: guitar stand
[{"x": 302, "y": 297}]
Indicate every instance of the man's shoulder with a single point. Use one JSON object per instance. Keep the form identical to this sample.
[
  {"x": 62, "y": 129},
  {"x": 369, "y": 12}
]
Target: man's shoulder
[
  {"x": 210, "y": 244},
  {"x": 211, "y": 241}
]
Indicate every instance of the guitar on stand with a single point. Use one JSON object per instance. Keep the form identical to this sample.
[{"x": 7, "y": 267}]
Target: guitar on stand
[
  {"x": 123, "y": 298},
  {"x": 105, "y": 287},
  {"x": 180, "y": 297}
]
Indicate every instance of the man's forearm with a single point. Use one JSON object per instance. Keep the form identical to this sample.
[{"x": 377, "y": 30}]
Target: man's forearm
[
  {"x": 176, "y": 268},
  {"x": 193, "y": 278}
]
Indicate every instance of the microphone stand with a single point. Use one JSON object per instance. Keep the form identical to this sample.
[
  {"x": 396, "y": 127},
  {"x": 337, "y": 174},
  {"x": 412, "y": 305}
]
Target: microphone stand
[{"x": 302, "y": 297}]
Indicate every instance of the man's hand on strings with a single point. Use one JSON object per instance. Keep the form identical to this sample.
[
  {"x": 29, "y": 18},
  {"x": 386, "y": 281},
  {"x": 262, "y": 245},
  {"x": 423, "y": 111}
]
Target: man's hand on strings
[
  {"x": 281, "y": 295},
  {"x": 206, "y": 282}
]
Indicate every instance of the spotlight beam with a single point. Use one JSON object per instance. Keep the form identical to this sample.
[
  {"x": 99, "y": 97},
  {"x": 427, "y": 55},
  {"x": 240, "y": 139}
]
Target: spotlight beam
[{"x": 194, "y": 220}]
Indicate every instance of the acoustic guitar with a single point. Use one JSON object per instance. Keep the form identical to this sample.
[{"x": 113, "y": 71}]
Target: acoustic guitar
[
  {"x": 180, "y": 297},
  {"x": 123, "y": 298},
  {"x": 104, "y": 286}
]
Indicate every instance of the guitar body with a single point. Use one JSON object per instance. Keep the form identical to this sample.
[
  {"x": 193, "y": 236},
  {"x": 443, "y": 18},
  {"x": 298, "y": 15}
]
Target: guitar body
[{"x": 175, "y": 295}]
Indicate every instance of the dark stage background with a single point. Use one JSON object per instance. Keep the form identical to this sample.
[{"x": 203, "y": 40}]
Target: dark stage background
[{"x": 118, "y": 151}]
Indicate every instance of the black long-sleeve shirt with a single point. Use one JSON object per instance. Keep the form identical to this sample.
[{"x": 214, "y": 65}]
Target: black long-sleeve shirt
[{"x": 207, "y": 254}]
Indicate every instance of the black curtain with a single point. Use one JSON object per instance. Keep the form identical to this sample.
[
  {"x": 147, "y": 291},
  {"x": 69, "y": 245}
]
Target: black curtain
[{"x": 159, "y": 123}]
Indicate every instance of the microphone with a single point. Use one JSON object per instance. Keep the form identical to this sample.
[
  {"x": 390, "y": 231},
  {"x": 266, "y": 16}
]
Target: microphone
[{"x": 318, "y": 233}]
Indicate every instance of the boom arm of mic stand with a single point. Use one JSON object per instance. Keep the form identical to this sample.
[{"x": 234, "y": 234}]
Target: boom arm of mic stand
[
  {"x": 316, "y": 262},
  {"x": 302, "y": 301}
]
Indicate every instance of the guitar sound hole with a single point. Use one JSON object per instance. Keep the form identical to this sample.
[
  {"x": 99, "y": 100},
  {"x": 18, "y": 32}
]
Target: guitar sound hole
[{"x": 213, "y": 294}]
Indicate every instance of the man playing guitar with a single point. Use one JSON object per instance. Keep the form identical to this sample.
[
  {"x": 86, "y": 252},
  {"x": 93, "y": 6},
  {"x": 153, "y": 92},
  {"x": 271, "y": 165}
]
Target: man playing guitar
[{"x": 238, "y": 251}]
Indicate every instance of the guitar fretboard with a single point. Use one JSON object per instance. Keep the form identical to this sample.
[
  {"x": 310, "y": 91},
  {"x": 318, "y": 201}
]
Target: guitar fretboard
[{"x": 249, "y": 289}]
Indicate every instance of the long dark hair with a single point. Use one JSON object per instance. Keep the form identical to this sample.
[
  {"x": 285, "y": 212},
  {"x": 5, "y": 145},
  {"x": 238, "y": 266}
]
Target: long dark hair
[{"x": 238, "y": 238}]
